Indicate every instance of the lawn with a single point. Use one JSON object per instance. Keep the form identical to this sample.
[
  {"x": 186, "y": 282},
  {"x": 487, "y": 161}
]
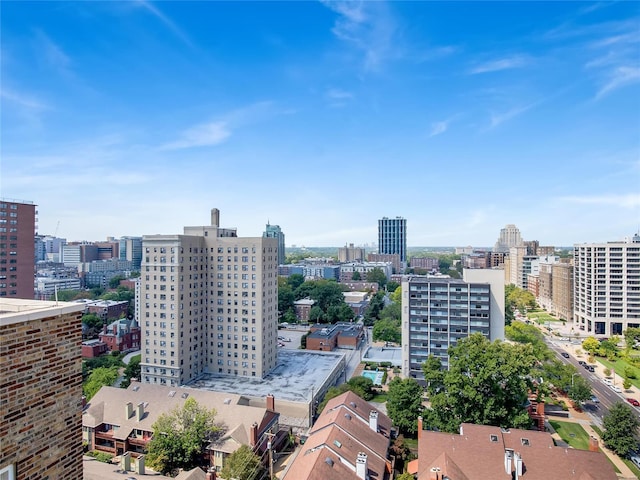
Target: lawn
[
  {"x": 540, "y": 316},
  {"x": 572, "y": 433},
  {"x": 380, "y": 397},
  {"x": 619, "y": 365}
]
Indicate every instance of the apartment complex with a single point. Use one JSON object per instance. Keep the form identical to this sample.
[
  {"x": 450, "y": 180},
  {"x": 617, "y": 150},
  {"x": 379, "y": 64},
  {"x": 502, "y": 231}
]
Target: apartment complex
[
  {"x": 17, "y": 248},
  {"x": 274, "y": 231},
  {"x": 350, "y": 254},
  {"x": 209, "y": 304},
  {"x": 392, "y": 236},
  {"x": 40, "y": 390},
  {"x": 607, "y": 286},
  {"x": 437, "y": 312}
]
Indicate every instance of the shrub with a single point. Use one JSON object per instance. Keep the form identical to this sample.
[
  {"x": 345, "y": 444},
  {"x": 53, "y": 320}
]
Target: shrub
[
  {"x": 103, "y": 457},
  {"x": 384, "y": 377}
]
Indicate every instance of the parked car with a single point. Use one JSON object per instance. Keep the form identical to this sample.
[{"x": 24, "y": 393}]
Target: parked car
[
  {"x": 582, "y": 362},
  {"x": 616, "y": 389},
  {"x": 565, "y": 354},
  {"x": 591, "y": 368},
  {"x": 586, "y": 367},
  {"x": 633, "y": 456},
  {"x": 607, "y": 381},
  {"x": 633, "y": 402},
  {"x": 594, "y": 399}
]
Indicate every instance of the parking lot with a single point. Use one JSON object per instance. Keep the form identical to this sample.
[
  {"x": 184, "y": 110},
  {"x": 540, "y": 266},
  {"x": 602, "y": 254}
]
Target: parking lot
[{"x": 294, "y": 334}]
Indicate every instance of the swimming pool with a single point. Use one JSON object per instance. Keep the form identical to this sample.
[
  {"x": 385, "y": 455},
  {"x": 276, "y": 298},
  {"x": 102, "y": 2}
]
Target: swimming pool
[{"x": 376, "y": 377}]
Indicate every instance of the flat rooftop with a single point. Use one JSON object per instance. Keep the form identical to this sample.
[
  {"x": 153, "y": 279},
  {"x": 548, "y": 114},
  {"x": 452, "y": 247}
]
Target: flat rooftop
[
  {"x": 383, "y": 354},
  {"x": 296, "y": 373},
  {"x": 16, "y": 310}
]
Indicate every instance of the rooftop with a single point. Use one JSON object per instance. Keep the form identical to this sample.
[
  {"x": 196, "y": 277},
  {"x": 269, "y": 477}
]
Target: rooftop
[
  {"x": 295, "y": 374},
  {"x": 16, "y": 310}
]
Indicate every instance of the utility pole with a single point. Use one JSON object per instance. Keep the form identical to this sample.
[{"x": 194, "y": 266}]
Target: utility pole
[{"x": 270, "y": 447}]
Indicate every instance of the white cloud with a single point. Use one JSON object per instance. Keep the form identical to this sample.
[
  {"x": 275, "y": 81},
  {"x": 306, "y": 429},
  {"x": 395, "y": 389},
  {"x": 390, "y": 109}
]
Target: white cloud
[
  {"x": 368, "y": 26},
  {"x": 438, "y": 128},
  {"x": 53, "y": 54},
  {"x": 500, "y": 118},
  {"x": 23, "y": 100},
  {"x": 337, "y": 97},
  {"x": 203, "y": 135},
  {"x": 630, "y": 200},
  {"x": 165, "y": 20},
  {"x": 507, "y": 63},
  {"x": 621, "y": 77}
]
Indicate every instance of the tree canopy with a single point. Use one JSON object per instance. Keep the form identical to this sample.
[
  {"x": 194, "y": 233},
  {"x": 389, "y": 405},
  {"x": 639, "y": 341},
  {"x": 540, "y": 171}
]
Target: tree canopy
[
  {"x": 387, "y": 330},
  {"x": 377, "y": 275},
  {"x": 404, "y": 403},
  {"x": 242, "y": 464},
  {"x": 361, "y": 386},
  {"x": 180, "y": 436},
  {"x": 620, "y": 427},
  {"x": 517, "y": 299},
  {"x": 98, "y": 378},
  {"x": 487, "y": 383}
]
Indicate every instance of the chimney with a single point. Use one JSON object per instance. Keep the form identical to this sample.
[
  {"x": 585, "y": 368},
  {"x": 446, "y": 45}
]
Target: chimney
[
  {"x": 215, "y": 217},
  {"x": 434, "y": 473},
  {"x": 593, "y": 444},
  {"x": 507, "y": 461},
  {"x": 128, "y": 410},
  {"x": 540, "y": 408},
  {"x": 517, "y": 461},
  {"x": 373, "y": 420},
  {"x": 140, "y": 411},
  {"x": 419, "y": 427},
  {"x": 211, "y": 475},
  {"x": 271, "y": 403},
  {"x": 253, "y": 435},
  {"x": 361, "y": 466}
]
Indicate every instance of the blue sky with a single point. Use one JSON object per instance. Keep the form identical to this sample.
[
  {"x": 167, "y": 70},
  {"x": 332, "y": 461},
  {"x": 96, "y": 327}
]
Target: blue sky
[{"x": 133, "y": 118}]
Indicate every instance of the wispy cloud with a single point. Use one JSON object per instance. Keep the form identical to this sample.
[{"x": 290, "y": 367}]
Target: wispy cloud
[
  {"x": 177, "y": 31},
  {"x": 338, "y": 97},
  {"x": 53, "y": 54},
  {"x": 22, "y": 100},
  {"x": 630, "y": 200},
  {"x": 618, "y": 78},
  {"x": 438, "y": 128},
  {"x": 203, "y": 135},
  {"x": 502, "y": 117},
  {"x": 368, "y": 26},
  {"x": 496, "y": 65}
]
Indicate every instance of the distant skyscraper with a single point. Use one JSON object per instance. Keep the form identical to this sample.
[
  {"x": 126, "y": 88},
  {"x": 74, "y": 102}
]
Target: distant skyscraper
[
  {"x": 209, "y": 304},
  {"x": 509, "y": 237},
  {"x": 274, "y": 231},
  {"x": 392, "y": 236},
  {"x": 17, "y": 249},
  {"x": 131, "y": 249}
]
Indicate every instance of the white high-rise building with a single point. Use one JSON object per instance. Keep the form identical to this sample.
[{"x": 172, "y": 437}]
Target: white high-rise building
[
  {"x": 209, "y": 304},
  {"x": 607, "y": 286},
  {"x": 509, "y": 237}
]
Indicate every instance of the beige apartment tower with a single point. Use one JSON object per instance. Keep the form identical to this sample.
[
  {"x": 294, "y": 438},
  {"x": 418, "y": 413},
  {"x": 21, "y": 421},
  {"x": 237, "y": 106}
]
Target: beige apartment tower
[{"x": 208, "y": 304}]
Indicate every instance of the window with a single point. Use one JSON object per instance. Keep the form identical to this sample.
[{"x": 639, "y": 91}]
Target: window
[{"x": 8, "y": 473}]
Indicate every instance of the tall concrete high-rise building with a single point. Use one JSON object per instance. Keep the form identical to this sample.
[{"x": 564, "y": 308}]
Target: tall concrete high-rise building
[
  {"x": 392, "y": 236},
  {"x": 209, "y": 304},
  {"x": 607, "y": 286},
  {"x": 131, "y": 250},
  {"x": 509, "y": 237},
  {"x": 274, "y": 231},
  {"x": 350, "y": 254},
  {"x": 437, "y": 312},
  {"x": 17, "y": 249}
]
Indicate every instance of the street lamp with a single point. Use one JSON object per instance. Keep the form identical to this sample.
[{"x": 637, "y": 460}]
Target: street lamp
[{"x": 573, "y": 375}]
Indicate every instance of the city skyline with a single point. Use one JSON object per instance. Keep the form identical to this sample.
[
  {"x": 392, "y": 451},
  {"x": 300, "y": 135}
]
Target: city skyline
[{"x": 133, "y": 118}]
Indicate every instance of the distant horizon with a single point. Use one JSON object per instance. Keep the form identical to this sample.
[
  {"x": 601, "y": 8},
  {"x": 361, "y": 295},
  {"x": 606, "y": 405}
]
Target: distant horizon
[{"x": 136, "y": 118}]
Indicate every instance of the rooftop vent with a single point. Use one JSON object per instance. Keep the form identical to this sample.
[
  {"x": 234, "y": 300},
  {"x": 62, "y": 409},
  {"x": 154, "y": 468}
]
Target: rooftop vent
[
  {"x": 227, "y": 401},
  {"x": 184, "y": 395},
  {"x": 337, "y": 443},
  {"x": 347, "y": 416},
  {"x": 353, "y": 404},
  {"x": 525, "y": 441},
  {"x": 328, "y": 461},
  {"x": 505, "y": 430},
  {"x": 136, "y": 388},
  {"x": 493, "y": 438},
  {"x": 172, "y": 393}
]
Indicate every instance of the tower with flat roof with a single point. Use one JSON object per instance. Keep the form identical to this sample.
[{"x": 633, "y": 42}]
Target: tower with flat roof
[{"x": 392, "y": 236}]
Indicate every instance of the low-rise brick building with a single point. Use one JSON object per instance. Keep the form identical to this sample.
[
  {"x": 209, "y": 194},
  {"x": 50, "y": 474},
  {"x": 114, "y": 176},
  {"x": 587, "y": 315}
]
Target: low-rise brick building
[
  {"x": 341, "y": 335},
  {"x": 122, "y": 335}
]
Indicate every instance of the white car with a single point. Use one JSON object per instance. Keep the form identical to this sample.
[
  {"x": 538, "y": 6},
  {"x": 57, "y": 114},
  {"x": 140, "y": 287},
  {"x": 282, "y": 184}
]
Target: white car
[
  {"x": 607, "y": 381},
  {"x": 616, "y": 389}
]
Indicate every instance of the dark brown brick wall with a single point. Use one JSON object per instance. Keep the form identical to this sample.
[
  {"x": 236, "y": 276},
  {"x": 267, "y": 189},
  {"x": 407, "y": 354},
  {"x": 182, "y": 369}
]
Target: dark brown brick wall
[{"x": 41, "y": 398}]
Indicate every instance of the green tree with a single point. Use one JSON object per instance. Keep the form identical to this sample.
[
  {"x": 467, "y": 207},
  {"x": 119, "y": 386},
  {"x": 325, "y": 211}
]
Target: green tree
[
  {"x": 316, "y": 314},
  {"x": 396, "y": 296},
  {"x": 285, "y": 298},
  {"x": 620, "y": 427},
  {"x": 303, "y": 340},
  {"x": 626, "y": 384},
  {"x": 487, "y": 383},
  {"x": 404, "y": 403},
  {"x": 114, "y": 282},
  {"x": 392, "y": 311},
  {"x": 356, "y": 276},
  {"x": 242, "y": 464},
  {"x": 132, "y": 370},
  {"x": 98, "y": 378},
  {"x": 372, "y": 313},
  {"x": 377, "y": 275},
  {"x": 295, "y": 280},
  {"x": 70, "y": 295},
  {"x": 609, "y": 348},
  {"x": 591, "y": 345},
  {"x": 361, "y": 386},
  {"x": 387, "y": 330},
  {"x": 392, "y": 286},
  {"x": 580, "y": 391},
  {"x": 405, "y": 476},
  {"x": 180, "y": 436},
  {"x": 526, "y": 333}
]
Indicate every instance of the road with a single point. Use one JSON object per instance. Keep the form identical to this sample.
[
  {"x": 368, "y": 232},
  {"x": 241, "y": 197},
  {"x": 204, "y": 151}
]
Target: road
[{"x": 604, "y": 393}]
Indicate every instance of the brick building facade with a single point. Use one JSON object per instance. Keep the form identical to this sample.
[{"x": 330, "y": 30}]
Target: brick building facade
[{"x": 40, "y": 389}]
